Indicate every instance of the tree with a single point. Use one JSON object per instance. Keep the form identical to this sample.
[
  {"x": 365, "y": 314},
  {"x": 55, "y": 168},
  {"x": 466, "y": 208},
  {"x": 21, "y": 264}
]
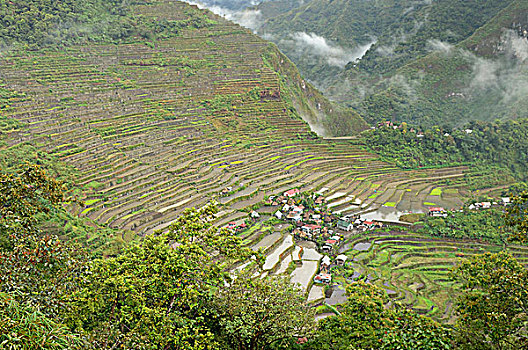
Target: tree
[
  {"x": 23, "y": 196},
  {"x": 493, "y": 311},
  {"x": 517, "y": 216},
  {"x": 23, "y": 328},
  {"x": 257, "y": 313},
  {"x": 34, "y": 267},
  {"x": 366, "y": 322},
  {"x": 155, "y": 295}
]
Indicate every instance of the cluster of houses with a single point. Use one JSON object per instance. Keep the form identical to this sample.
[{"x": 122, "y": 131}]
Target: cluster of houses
[
  {"x": 389, "y": 124},
  {"x": 324, "y": 275},
  {"x": 437, "y": 212},
  {"x": 348, "y": 223},
  {"x": 505, "y": 201},
  {"x": 441, "y": 212},
  {"x": 419, "y": 134},
  {"x": 234, "y": 227},
  {"x": 314, "y": 222},
  {"x": 307, "y": 212}
]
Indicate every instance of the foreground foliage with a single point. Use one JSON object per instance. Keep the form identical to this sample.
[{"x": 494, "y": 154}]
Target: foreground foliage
[
  {"x": 33, "y": 266},
  {"x": 155, "y": 293},
  {"x": 257, "y": 313},
  {"x": 366, "y": 323},
  {"x": 175, "y": 290},
  {"x": 493, "y": 311},
  {"x": 24, "y": 328}
]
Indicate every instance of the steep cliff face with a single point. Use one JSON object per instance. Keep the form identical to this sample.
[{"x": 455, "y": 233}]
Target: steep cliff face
[{"x": 324, "y": 117}]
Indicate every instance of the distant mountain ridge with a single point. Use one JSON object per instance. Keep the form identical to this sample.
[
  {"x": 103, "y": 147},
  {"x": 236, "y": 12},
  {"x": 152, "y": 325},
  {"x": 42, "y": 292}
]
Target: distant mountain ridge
[
  {"x": 424, "y": 58},
  {"x": 481, "y": 78}
]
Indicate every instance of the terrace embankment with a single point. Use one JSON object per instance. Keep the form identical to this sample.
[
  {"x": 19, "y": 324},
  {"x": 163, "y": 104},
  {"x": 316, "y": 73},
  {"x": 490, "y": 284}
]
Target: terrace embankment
[{"x": 414, "y": 269}]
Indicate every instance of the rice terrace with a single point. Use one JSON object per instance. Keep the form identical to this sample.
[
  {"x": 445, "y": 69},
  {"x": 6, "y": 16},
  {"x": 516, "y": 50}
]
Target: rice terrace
[{"x": 149, "y": 128}]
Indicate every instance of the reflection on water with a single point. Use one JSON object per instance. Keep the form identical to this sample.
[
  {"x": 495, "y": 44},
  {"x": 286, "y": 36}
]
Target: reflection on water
[
  {"x": 385, "y": 214},
  {"x": 338, "y": 296},
  {"x": 362, "y": 246}
]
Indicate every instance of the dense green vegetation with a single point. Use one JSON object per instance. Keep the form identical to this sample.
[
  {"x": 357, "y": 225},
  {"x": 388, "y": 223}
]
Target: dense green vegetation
[
  {"x": 171, "y": 290},
  {"x": 345, "y": 24},
  {"x": 480, "y": 78},
  {"x": 325, "y": 117},
  {"x": 409, "y": 37},
  {"x": 402, "y": 29},
  {"x": 488, "y": 225},
  {"x": 25, "y": 328},
  {"x": 487, "y": 144},
  {"x": 489, "y": 317},
  {"x": 432, "y": 62},
  {"x": 518, "y": 216},
  {"x": 57, "y": 221},
  {"x": 39, "y": 23},
  {"x": 365, "y": 323}
]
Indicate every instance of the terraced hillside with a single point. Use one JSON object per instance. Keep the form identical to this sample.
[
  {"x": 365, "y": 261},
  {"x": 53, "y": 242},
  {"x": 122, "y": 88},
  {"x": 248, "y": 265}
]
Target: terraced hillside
[
  {"x": 154, "y": 127},
  {"x": 214, "y": 112},
  {"x": 412, "y": 268}
]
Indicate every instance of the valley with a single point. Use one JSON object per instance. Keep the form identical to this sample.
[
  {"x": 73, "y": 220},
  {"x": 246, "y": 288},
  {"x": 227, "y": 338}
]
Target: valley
[{"x": 150, "y": 126}]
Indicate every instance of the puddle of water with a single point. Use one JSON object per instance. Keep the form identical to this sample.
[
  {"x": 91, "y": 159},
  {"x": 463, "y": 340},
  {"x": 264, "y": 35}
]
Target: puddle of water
[
  {"x": 274, "y": 257},
  {"x": 388, "y": 290},
  {"x": 386, "y": 214},
  {"x": 322, "y": 190},
  {"x": 303, "y": 275},
  {"x": 391, "y": 293},
  {"x": 267, "y": 241},
  {"x": 362, "y": 246},
  {"x": 354, "y": 276},
  {"x": 311, "y": 254},
  {"x": 336, "y": 195},
  {"x": 316, "y": 293},
  {"x": 284, "y": 265},
  {"x": 338, "y": 296},
  {"x": 350, "y": 209}
]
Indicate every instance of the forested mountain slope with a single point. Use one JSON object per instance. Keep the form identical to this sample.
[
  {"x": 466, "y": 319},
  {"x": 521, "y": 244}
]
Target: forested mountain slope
[
  {"x": 481, "y": 78},
  {"x": 415, "y": 33},
  {"x": 324, "y": 38},
  {"x": 40, "y": 23}
]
